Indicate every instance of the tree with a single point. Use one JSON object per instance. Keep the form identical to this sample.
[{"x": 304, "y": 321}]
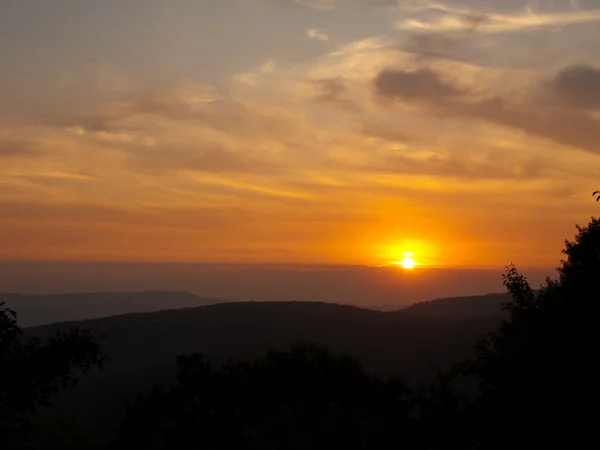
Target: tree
[
  {"x": 33, "y": 370},
  {"x": 538, "y": 372},
  {"x": 302, "y": 398}
]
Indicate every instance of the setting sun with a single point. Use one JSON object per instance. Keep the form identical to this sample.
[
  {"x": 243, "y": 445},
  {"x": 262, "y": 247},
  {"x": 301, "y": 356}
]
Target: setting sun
[{"x": 408, "y": 261}]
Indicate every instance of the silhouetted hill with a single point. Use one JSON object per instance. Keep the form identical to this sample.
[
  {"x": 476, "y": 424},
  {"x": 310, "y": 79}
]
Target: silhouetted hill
[
  {"x": 459, "y": 307},
  {"x": 142, "y": 347},
  {"x": 36, "y": 310}
]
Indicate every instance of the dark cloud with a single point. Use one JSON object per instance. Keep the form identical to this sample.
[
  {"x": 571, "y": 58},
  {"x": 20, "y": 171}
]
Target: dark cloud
[
  {"x": 578, "y": 86},
  {"x": 565, "y": 126},
  {"x": 331, "y": 90},
  {"x": 421, "y": 84}
]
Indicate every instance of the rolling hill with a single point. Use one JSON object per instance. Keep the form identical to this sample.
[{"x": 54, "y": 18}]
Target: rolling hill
[
  {"x": 142, "y": 347},
  {"x": 45, "y": 309},
  {"x": 459, "y": 307}
]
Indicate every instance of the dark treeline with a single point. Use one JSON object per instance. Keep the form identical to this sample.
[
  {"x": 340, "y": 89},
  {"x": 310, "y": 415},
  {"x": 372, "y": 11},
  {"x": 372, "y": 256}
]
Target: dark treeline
[{"x": 529, "y": 384}]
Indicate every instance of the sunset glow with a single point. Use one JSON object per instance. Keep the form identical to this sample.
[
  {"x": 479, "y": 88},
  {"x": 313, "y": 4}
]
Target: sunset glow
[
  {"x": 408, "y": 262},
  {"x": 340, "y": 132}
]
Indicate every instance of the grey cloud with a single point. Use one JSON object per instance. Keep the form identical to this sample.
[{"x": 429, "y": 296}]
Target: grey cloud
[
  {"x": 562, "y": 125},
  {"x": 495, "y": 166},
  {"x": 578, "y": 86},
  {"x": 113, "y": 113},
  {"x": 331, "y": 90},
  {"x": 436, "y": 45},
  {"x": 567, "y": 127},
  {"x": 421, "y": 84}
]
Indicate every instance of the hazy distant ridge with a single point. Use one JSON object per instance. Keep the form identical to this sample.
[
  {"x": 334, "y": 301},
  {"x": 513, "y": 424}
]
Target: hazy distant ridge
[
  {"x": 34, "y": 310},
  {"x": 459, "y": 307},
  {"x": 44, "y": 309}
]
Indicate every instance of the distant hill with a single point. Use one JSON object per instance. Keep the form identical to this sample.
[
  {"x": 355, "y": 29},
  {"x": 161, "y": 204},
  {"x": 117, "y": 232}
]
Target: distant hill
[
  {"x": 36, "y": 310},
  {"x": 142, "y": 347},
  {"x": 478, "y": 306}
]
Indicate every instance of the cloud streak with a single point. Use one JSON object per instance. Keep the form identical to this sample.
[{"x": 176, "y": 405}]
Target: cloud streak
[
  {"x": 568, "y": 127},
  {"x": 460, "y": 19},
  {"x": 318, "y": 34}
]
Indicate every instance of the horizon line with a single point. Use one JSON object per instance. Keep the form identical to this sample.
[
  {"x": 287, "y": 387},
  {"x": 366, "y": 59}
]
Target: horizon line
[{"x": 268, "y": 264}]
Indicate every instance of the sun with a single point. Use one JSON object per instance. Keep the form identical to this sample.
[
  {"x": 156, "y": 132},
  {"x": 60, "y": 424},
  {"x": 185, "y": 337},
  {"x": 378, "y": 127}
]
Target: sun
[{"x": 408, "y": 261}]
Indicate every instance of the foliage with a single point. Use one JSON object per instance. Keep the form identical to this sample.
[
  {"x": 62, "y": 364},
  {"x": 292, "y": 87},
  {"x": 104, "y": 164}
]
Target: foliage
[
  {"x": 32, "y": 370},
  {"x": 539, "y": 367},
  {"x": 303, "y": 398}
]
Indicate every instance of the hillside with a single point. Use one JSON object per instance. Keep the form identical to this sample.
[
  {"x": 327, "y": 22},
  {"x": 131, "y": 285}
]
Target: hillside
[
  {"x": 142, "y": 347},
  {"x": 477, "y": 306},
  {"x": 37, "y": 310}
]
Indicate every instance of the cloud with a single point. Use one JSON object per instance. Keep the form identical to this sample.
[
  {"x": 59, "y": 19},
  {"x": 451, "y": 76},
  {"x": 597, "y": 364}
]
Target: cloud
[
  {"x": 318, "y": 34},
  {"x": 438, "y": 46},
  {"x": 570, "y": 128},
  {"x": 201, "y": 158},
  {"x": 459, "y": 19},
  {"x": 15, "y": 148},
  {"x": 419, "y": 84},
  {"x": 491, "y": 165},
  {"x": 578, "y": 87},
  {"x": 331, "y": 91},
  {"x": 563, "y": 126},
  {"x": 388, "y": 133},
  {"x": 320, "y": 5},
  {"x": 331, "y": 5}
]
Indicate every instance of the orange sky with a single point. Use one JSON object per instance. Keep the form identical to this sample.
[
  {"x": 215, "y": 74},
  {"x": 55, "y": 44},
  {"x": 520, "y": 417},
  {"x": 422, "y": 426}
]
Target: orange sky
[{"x": 298, "y": 131}]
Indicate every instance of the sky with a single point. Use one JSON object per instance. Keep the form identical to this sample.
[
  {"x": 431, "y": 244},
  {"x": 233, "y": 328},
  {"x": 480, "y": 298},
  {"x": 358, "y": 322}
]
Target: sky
[{"x": 464, "y": 132}]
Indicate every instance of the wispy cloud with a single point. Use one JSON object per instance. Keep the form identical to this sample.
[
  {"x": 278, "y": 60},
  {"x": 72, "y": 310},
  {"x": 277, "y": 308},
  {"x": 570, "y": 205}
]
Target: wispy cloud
[
  {"x": 460, "y": 19},
  {"x": 320, "y": 5},
  {"x": 570, "y": 127},
  {"x": 10, "y": 148},
  {"x": 316, "y": 33}
]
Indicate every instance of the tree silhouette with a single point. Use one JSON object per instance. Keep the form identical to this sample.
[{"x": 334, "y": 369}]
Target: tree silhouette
[
  {"x": 596, "y": 195},
  {"x": 32, "y": 370},
  {"x": 302, "y": 398},
  {"x": 535, "y": 377},
  {"x": 537, "y": 371}
]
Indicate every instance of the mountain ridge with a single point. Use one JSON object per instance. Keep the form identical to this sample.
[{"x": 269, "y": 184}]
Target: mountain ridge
[
  {"x": 142, "y": 346},
  {"x": 44, "y": 309}
]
